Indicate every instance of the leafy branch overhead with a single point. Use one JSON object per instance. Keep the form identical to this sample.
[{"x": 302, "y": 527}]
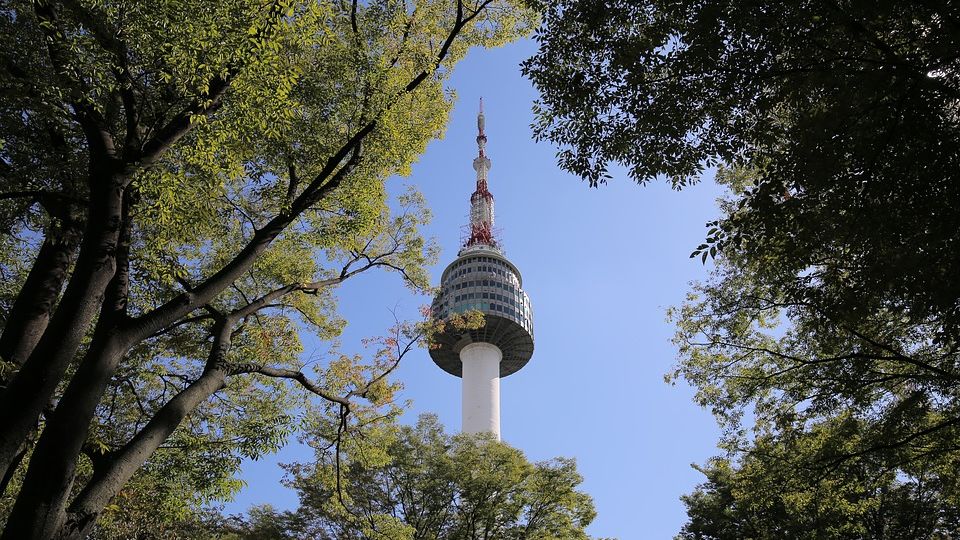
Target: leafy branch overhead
[
  {"x": 175, "y": 172},
  {"x": 825, "y": 340}
]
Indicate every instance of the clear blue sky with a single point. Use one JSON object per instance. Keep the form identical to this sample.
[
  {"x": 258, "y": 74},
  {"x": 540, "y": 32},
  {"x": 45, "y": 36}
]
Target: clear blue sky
[{"x": 601, "y": 266}]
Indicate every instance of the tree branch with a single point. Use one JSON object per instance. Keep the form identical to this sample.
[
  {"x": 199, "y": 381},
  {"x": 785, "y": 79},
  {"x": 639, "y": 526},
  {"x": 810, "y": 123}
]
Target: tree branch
[
  {"x": 299, "y": 377},
  {"x": 52, "y": 202},
  {"x": 205, "y": 104},
  {"x": 895, "y": 444}
]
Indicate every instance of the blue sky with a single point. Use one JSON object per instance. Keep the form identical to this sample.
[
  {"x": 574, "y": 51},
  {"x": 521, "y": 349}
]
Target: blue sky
[{"x": 601, "y": 266}]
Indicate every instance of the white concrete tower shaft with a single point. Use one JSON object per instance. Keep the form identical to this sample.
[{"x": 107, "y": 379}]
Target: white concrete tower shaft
[{"x": 481, "y": 388}]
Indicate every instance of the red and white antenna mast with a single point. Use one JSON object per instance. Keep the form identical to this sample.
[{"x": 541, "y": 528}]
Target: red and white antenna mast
[{"x": 481, "y": 202}]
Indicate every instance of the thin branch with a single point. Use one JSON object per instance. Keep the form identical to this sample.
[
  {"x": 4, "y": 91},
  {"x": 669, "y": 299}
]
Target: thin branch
[
  {"x": 292, "y": 186},
  {"x": 896, "y": 444},
  {"x": 310, "y": 386},
  {"x": 182, "y": 322},
  {"x": 90, "y": 120},
  {"x": 900, "y": 356},
  {"x": 109, "y": 39},
  {"x": 353, "y": 17}
]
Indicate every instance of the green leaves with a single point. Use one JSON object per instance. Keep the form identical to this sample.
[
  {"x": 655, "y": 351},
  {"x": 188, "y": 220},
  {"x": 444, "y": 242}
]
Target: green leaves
[
  {"x": 828, "y": 328},
  {"x": 410, "y": 481},
  {"x": 249, "y": 142},
  {"x": 816, "y": 388},
  {"x": 807, "y": 485}
]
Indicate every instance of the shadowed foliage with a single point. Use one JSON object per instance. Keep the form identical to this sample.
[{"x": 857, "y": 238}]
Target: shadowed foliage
[{"x": 828, "y": 332}]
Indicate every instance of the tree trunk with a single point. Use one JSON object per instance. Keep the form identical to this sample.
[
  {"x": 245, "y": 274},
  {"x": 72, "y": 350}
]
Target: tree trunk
[
  {"x": 5, "y": 481},
  {"x": 50, "y": 475},
  {"x": 108, "y": 481},
  {"x": 31, "y": 311},
  {"x": 38, "y": 511},
  {"x": 32, "y": 388},
  {"x": 110, "y": 477}
]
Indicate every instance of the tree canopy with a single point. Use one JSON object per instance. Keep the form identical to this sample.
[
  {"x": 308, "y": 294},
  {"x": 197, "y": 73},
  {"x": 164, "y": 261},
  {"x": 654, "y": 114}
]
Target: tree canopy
[
  {"x": 406, "y": 482},
  {"x": 827, "y": 333},
  {"x": 845, "y": 112},
  {"x": 779, "y": 490},
  {"x": 837, "y": 422},
  {"x": 183, "y": 183}
]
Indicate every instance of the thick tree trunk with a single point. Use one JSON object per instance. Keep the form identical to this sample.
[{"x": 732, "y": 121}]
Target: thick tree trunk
[
  {"x": 108, "y": 481},
  {"x": 111, "y": 476},
  {"x": 31, "y": 311},
  {"x": 32, "y": 388},
  {"x": 50, "y": 475},
  {"x": 39, "y": 510}
]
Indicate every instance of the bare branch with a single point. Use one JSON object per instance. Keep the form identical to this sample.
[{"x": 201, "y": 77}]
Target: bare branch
[{"x": 298, "y": 376}]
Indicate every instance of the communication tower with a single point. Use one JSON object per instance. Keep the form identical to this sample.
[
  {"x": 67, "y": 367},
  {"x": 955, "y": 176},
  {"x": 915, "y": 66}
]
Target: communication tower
[{"x": 482, "y": 278}]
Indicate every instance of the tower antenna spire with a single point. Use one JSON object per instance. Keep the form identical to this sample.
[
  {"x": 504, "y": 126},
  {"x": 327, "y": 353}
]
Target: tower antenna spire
[
  {"x": 481, "y": 136},
  {"x": 481, "y": 201}
]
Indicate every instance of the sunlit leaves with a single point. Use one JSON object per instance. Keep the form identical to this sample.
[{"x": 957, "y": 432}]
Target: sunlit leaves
[
  {"x": 231, "y": 122},
  {"x": 410, "y": 481},
  {"x": 784, "y": 487},
  {"x": 814, "y": 397}
]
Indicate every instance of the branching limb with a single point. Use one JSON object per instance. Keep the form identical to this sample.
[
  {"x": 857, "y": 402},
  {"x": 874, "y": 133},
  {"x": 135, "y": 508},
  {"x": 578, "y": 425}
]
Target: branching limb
[
  {"x": 204, "y": 105},
  {"x": 300, "y": 378}
]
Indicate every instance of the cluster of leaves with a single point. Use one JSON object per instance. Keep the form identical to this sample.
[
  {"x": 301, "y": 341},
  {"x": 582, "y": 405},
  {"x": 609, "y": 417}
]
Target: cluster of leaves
[
  {"x": 200, "y": 176},
  {"x": 846, "y": 113},
  {"x": 667, "y": 88},
  {"x": 831, "y": 322},
  {"x": 797, "y": 487},
  {"x": 794, "y": 487},
  {"x": 405, "y": 482},
  {"x": 840, "y": 413}
]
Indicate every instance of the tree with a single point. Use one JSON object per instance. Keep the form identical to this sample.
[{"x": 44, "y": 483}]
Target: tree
[
  {"x": 846, "y": 112},
  {"x": 834, "y": 300},
  {"x": 173, "y": 426},
  {"x": 174, "y": 168},
  {"x": 418, "y": 482},
  {"x": 854, "y": 400},
  {"x": 781, "y": 489}
]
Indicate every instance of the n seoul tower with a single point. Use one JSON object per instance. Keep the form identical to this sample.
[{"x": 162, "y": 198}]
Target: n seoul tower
[{"x": 481, "y": 278}]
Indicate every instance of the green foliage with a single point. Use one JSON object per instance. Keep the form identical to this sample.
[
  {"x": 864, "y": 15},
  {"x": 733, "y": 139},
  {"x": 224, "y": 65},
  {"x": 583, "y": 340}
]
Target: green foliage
[
  {"x": 405, "y": 482},
  {"x": 227, "y": 119},
  {"x": 782, "y": 488},
  {"x": 827, "y": 334},
  {"x": 821, "y": 395},
  {"x": 251, "y": 415},
  {"x": 667, "y": 88},
  {"x": 843, "y": 114}
]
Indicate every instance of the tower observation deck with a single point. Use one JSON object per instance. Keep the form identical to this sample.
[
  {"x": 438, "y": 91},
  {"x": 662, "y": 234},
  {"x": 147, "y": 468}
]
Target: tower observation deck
[{"x": 482, "y": 278}]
